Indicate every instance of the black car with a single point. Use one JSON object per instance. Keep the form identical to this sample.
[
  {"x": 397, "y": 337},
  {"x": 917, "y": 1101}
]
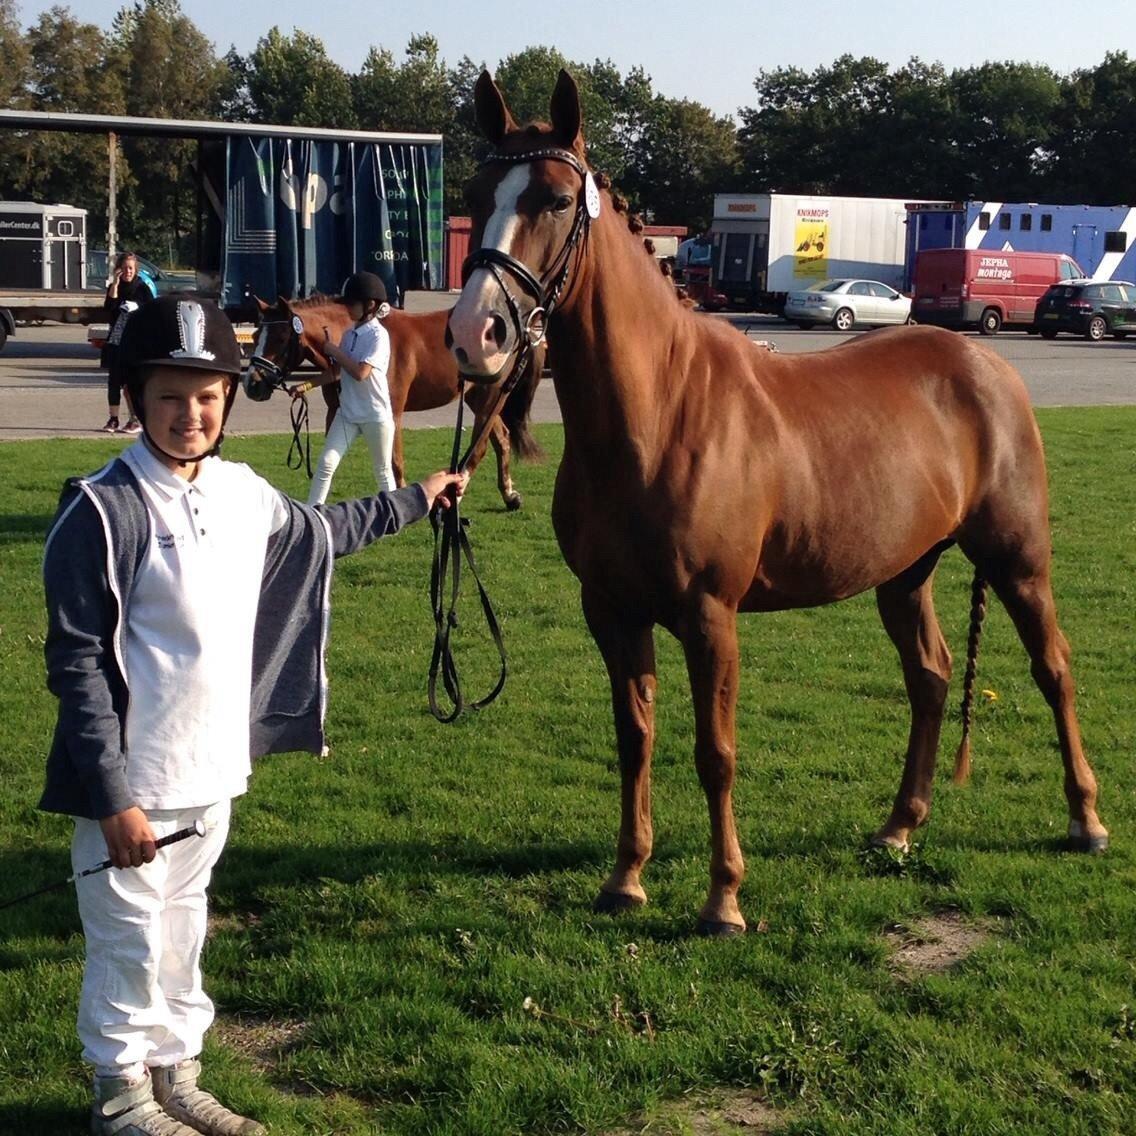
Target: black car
[{"x": 1092, "y": 308}]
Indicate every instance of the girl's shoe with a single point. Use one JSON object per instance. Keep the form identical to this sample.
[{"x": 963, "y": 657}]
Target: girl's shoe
[
  {"x": 175, "y": 1089},
  {"x": 111, "y": 426},
  {"x": 133, "y": 426},
  {"x": 125, "y": 1108}
]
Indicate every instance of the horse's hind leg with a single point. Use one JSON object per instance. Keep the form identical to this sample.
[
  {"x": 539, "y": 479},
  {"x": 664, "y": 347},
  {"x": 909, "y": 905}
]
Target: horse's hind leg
[
  {"x": 398, "y": 462},
  {"x": 628, "y": 648},
  {"x": 710, "y": 642},
  {"x": 906, "y": 607},
  {"x": 1028, "y": 596}
]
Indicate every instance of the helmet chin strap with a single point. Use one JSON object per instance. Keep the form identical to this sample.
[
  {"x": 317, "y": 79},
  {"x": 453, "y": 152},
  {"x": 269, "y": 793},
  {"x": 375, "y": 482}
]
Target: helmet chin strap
[{"x": 183, "y": 462}]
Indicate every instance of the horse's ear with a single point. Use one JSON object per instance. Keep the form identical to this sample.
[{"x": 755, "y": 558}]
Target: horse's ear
[
  {"x": 261, "y": 305},
  {"x": 493, "y": 115},
  {"x": 283, "y": 302},
  {"x": 565, "y": 109}
]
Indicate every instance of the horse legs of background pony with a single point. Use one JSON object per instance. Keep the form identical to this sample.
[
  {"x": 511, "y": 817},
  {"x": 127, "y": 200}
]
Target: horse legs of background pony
[{"x": 483, "y": 401}]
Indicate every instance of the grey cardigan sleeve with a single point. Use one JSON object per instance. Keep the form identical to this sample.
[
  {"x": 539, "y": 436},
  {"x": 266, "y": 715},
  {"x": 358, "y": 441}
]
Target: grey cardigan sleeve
[
  {"x": 82, "y": 668},
  {"x": 355, "y": 524}
]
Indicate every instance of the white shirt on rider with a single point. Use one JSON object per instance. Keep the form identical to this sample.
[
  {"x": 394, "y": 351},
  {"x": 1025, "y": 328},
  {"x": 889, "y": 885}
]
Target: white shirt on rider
[{"x": 369, "y": 400}]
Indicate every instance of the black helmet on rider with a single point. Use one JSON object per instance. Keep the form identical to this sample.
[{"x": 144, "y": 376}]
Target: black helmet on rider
[
  {"x": 364, "y": 288},
  {"x": 178, "y": 330}
]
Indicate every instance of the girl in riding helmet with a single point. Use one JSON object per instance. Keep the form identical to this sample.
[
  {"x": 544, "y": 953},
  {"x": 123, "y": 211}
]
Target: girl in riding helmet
[
  {"x": 360, "y": 364},
  {"x": 187, "y": 616}
]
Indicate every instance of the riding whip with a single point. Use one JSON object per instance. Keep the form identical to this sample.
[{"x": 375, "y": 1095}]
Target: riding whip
[{"x": 195, "y": 829}]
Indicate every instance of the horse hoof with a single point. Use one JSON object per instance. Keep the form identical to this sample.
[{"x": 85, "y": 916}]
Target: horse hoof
[
  {"x": 612, "y": 903},
  {"x": 513, "y": 503},
  {"x": 894, "y": 843},
  {"x": 1094, "y": 845},
  {"x": 711, "y": 929}
]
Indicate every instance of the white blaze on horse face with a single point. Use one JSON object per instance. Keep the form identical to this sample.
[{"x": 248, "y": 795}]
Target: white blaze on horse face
[
  {"x": 261, "y": 341},
  {"x": 472, "y": 319}
]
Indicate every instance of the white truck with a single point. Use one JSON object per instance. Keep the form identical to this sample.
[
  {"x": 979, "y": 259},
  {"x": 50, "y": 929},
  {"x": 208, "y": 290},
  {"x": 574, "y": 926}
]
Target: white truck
[
  {"x": 766, "y": 245},
  {"x": 43, "y": 266}
]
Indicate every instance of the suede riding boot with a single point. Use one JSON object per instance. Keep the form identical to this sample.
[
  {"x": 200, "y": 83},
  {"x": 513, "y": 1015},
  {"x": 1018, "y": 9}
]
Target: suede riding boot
[
  {"x": 126, "y": 1108},
  {"x": 175, "y": 1089}
]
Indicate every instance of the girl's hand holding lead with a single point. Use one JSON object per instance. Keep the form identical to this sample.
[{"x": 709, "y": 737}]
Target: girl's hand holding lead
[{"x": 443, "y": 488}]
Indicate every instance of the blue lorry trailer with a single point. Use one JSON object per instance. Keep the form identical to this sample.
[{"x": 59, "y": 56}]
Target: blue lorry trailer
[{"x": 1100, "y": 238}]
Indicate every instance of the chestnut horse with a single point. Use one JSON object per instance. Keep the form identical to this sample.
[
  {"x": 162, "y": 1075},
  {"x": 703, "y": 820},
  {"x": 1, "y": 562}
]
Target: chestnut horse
[
  {"x": 421, "y": 376},
  {"x": 701, "y": 478}
]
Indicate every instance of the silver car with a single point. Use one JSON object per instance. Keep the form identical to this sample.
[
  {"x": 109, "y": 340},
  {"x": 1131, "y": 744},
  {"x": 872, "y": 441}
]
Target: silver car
[{"x": 845, "y": 303}]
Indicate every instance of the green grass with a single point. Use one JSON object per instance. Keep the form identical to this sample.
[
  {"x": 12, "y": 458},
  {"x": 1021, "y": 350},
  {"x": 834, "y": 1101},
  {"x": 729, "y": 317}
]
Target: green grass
[{"x": 383, "y": 914}]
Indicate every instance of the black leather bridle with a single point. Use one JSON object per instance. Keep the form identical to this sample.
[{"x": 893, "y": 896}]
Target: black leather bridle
[
  {"x": 451, "y": 538},
  {"x": 545, "y": 290},
  {"x": 275, "y": 376}
]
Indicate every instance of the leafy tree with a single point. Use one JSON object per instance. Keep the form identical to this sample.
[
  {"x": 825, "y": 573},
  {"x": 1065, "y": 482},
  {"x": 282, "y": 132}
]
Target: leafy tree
[
  {"x": 67, "y": 70},
  {"x": 293, "y": 81},
  {"x": 413, "y": 96},
  {"x": 815, "y": 133},
  {"x": 1003, "y": 120},
  {"x": 1092, "y": 157},
  {"x": 15, "y": 60},
  {"x": 170, "y": 71},
  {"x": 683, "y": 155}
]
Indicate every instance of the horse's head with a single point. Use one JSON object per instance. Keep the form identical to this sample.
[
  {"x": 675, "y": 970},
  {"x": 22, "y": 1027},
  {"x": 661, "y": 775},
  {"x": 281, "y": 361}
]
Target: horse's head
[
  {"x": 288, "y": 333},
  {"x": 531, "y": 204}
]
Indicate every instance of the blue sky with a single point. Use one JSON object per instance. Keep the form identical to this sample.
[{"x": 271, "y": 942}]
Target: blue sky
[{"x": 709, "y": 52}]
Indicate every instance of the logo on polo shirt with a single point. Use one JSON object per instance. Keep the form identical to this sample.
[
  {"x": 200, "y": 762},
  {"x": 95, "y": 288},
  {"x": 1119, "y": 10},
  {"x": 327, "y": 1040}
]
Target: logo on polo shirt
[{"x": 169, "y": 541}]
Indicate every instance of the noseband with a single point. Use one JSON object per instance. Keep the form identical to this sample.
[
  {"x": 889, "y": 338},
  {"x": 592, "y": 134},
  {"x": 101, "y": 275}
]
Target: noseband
[
  {"x": 275, "y": 374},
  {"x": 546, "y": 289}
]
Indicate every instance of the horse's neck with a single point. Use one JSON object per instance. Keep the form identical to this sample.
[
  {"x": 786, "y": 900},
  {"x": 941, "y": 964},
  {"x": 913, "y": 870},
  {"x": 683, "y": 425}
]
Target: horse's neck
[{"x": 611, "y": 343}]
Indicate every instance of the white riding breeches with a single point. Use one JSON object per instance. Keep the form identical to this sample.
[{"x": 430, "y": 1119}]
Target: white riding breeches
[
  {"x": 379, "y": 437},
  {"x": 142, "y": 1001}
]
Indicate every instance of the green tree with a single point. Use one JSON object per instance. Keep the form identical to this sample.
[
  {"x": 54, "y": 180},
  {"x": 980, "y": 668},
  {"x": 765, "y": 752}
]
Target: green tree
[
  {"x": 1091, "y": 158},
  {"x": 683, "y": 155},
  {"x": 15, "y": 58},
  {"x": 293, "y": 81},
  {"x": 414, "y": 96},
  {"x": 170, "y": 70},
  {"x": 815, "y": 133},
  {"x": 67, "y": 70},
  {"x": 1003, "y": 119}
]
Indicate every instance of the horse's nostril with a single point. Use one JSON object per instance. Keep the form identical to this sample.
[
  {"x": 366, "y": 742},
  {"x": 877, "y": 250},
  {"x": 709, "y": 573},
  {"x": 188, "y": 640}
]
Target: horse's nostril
[
  {"x": 449, "y": 337},
  {"x": 499, "y": 330},
  {"x": 461, "y": 356}
]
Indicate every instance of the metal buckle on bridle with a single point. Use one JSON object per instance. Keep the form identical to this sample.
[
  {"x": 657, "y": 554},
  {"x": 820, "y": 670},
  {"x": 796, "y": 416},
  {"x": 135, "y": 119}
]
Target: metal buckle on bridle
[{"x": 535, "y": 326}]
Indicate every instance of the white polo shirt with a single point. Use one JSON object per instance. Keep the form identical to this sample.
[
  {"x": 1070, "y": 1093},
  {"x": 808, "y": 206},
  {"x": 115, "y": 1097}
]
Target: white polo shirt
[
  {"x": 189, "y": 630},
  {"x": 367, "y": 401}
]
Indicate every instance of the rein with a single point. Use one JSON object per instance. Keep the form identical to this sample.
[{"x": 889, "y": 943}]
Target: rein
[
  {"x": 451, "y": 530},
  {"x": 276, "y": 377}
]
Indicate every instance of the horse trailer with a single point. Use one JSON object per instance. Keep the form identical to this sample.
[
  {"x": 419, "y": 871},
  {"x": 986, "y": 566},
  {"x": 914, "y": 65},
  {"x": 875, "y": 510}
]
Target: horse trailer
[
  {"x": 1100, "y": 238},
  {"x": 769, "y": 244}
]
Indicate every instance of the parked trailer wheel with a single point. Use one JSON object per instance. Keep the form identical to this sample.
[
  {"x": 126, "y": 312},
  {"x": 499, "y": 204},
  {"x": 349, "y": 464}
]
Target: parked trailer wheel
[
  {"x": 3, "y": 335},
  {"x": 1096, "y": 329},
  {"x": 843, "y": 320},
  {"x": 990, "y": 322}
]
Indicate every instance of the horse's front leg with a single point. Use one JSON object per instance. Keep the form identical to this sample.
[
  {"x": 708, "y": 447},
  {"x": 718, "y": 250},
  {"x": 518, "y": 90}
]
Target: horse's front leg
[
  {"x": 498, "y": 434},
  {"x": 628, "y": 649},
  {"x": 710, "y": 643}
]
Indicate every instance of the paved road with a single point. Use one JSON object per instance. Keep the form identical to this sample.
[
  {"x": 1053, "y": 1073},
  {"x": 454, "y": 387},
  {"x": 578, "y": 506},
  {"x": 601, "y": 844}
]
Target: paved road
[{"x": 51, "y": 385}]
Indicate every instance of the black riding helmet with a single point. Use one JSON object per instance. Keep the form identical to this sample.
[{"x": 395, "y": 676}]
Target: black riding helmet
[
  {"x": 178, "y": 330},
  {"x": 364, "y": 287}
]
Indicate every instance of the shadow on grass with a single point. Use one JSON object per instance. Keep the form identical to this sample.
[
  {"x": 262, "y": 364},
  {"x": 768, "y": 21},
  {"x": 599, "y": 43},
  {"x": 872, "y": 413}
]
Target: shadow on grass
[
  {"x": 24, "y": 528},
  {"x": 42, "y": 1120}
]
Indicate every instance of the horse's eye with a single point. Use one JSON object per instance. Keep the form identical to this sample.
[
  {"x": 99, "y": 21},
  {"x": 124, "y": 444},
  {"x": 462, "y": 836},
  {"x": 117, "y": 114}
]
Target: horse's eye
[{"x": 562, "y": 204}]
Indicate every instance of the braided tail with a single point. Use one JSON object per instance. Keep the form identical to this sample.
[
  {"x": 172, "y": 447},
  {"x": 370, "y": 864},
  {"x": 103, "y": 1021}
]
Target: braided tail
[{"x": 977, "y": 614}]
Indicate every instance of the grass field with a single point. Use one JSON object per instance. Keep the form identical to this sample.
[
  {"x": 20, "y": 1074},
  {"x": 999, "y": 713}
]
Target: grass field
[{"x": 402, "y": 936}]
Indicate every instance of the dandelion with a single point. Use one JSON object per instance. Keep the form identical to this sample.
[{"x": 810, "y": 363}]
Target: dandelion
[{"x": 990, "y": 695}]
